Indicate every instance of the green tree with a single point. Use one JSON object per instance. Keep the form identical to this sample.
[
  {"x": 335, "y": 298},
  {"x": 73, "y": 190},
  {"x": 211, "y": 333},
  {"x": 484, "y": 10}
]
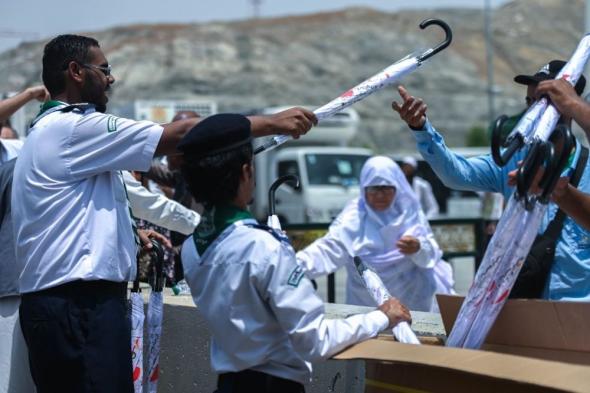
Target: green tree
[{"x": 477, "y": 136}]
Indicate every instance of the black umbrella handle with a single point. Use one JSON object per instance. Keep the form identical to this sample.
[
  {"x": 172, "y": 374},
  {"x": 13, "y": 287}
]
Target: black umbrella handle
[
  {"x": 158, "y": 253},
  {"x": 539, "y": 153},
  {"x": 446, "y": 42},
  {"x": 512, "y": 144},
  {"x": 292, "y": 179},
  {"x": 562, "y": 132}
]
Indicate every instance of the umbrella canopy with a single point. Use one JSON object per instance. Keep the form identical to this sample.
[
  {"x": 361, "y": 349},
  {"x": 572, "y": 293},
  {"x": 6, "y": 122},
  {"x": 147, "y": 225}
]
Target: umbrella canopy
[
  {"x": 402, "y": 331},
  {"x": 137, "y": 320},
  {"x": 390, "y": 75}
]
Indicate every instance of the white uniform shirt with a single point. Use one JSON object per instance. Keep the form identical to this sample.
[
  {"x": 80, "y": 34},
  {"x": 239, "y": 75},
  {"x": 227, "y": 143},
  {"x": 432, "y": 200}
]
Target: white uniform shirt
[
  {"x": 70, "y": 212},
  {"x": 263, "y": 313},
  {"x": 158, "y": 209},
  {"x": 9, "y": 149},
  {"x": 423, "y": 191}
]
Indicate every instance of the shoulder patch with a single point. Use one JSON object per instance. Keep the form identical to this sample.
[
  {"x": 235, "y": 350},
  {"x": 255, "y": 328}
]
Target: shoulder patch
[
  {"x": 112, "y": 123},
  {"x": 295, "y": 277}
]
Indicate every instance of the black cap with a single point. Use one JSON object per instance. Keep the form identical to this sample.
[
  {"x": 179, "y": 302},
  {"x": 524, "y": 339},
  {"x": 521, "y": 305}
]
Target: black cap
[
  {"x": 549, "y": 71},
  {"x": 216, "y": 134}
]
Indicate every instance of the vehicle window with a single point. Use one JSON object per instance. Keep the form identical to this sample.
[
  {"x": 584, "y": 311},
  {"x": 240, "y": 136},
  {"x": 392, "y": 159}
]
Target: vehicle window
[
  {"x": 334, "y": 169},
  {"x": 288, "y": 168}
]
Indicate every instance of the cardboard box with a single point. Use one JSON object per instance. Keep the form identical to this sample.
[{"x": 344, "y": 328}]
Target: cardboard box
[
  {"x": 536, "y": 328},
  {"x": 527, "y": 332}
]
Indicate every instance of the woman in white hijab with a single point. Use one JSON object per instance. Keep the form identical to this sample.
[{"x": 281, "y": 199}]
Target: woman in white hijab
[{"x": 386, "y": 227}]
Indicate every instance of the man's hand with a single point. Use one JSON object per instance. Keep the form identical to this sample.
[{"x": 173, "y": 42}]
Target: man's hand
[
  {"x": 39, "y": 93},
  {"x": 408, "y": 245},
  {"x": 562, "y": 95},
  {"x": 561, "y": 190},
  {"x": 567, "y": 101},
  {"x": 395, "y": 312},
  {"x": 145, "y": 236},
  {"x": 412, "y": 110},
  {"x": 294, "y": 122}
]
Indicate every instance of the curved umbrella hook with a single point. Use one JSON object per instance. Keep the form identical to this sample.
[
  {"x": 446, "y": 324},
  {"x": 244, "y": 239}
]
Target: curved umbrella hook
[
  {"x": 446, "y": 42},
  {"x": 294, "y": 180}
]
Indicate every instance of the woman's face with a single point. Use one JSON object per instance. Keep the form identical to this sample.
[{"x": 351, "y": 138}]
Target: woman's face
[{"x": 379, "y": 198}]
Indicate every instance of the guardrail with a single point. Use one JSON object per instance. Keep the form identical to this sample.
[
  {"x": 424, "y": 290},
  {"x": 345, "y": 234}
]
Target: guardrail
[{"x": 458, "y": 237}]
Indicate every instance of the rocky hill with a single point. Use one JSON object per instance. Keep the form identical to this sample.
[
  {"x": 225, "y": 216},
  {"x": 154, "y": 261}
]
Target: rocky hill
[{"x": 312, "y": 58}]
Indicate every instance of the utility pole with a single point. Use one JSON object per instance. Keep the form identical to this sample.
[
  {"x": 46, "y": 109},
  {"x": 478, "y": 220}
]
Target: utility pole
[
  {"x": 256, "y": 8},
  {"x": 487, "y": 15}
]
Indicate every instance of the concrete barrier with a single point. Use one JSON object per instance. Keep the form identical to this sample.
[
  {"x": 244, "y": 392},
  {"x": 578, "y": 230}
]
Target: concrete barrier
[{"x": 184, "y": 356}]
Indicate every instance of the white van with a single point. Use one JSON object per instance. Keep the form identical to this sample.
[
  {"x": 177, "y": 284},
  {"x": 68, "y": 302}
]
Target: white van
[{"x": 328, "y": 171}]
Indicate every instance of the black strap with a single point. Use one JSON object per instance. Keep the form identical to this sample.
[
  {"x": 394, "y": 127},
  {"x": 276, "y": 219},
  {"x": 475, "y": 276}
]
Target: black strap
[
  {"x": 276, "y": 234},
  {"x": 554, "y": 228}
]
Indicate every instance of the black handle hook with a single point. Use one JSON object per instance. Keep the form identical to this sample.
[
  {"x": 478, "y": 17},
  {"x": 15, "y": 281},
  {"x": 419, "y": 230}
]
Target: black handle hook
[
  {"x": 294, "y": 180},
  {"x": 549, "y": 180},
  {"x": 446, "y": 42},
  {"x": 512, "y": 143},
  {"x": 539, "y": 153},
  {"x": 158, "y": 253}
]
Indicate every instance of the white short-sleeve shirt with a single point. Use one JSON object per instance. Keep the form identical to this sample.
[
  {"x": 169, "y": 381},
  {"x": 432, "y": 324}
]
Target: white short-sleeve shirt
[{"x": 70, "y": 212}]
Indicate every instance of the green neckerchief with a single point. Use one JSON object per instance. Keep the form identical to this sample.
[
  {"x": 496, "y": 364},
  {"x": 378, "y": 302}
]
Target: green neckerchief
[
  {"x": 48, "y": 105},
  {"x": 214, "y": 221}
]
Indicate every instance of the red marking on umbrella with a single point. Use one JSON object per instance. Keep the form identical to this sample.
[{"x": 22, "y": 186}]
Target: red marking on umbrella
[
  {"x": 137, "y": 343},
  {"x": 136, "y": 373},
  {"x": 566, "y": 77},
  {"x": 492, "y": 286},
  {"x": 504, "y": 296},
  {"x": 155, "y": 374},
  {"x": 348, "y": 93}
]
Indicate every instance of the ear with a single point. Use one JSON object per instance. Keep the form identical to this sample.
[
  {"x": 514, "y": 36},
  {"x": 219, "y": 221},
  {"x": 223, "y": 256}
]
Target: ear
[
  {"x": 74, "y": 72},
  {"x": 246, "y": 172}
]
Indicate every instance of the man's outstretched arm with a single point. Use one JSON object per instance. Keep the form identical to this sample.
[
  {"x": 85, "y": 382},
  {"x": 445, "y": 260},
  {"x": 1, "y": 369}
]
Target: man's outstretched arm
[{"x": 14, "y": 103}]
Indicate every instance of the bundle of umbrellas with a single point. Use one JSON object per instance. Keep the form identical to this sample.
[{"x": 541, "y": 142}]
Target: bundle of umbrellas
[
  {"x": 154, "y": 323},
  {"x": 520, "y": 222}
]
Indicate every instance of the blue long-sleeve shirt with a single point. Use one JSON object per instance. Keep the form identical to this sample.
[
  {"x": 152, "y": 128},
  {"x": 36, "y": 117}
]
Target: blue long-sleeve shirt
[{"x": 570, "y": 273}]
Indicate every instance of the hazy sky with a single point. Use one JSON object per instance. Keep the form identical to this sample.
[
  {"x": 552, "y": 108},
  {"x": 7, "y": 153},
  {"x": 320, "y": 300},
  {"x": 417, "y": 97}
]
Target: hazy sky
[{"x": 37, "y": 19}]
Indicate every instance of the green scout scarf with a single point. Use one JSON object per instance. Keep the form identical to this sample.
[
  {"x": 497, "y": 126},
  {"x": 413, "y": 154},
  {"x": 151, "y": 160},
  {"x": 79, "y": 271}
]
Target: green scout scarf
[{"x": 214, "y": 221}]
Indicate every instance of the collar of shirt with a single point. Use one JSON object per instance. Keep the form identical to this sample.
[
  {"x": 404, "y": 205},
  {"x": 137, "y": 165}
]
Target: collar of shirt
[
  {"x": 55, "y": 106},
  {"x": 48, "y": 105},
  {"x": 214, "y": 221}
]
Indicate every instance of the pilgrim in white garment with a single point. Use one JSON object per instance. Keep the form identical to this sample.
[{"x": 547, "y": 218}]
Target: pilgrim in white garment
[{"x": 387, "y": 228}]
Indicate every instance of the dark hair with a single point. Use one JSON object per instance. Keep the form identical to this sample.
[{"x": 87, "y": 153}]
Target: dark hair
[
  {"x": 58, "y": 53},
  {"x": 215, "y": 179}
]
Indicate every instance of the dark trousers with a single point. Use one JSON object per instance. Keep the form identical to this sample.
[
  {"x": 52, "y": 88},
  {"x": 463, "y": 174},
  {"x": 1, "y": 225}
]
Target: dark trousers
[
  {"x": 78, "y": 337},
  {"x": 249, "y": 381}
]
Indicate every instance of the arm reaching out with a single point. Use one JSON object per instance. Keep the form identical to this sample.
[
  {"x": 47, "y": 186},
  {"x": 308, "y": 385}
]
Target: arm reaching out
[
  {"x": 294, "y": 122},
  {"x": 14, "y": 103}
]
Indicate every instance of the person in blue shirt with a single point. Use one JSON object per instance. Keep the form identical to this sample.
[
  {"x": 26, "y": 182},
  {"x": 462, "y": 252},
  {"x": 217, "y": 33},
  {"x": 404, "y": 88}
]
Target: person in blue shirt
[{"x": 570, "y": 273}]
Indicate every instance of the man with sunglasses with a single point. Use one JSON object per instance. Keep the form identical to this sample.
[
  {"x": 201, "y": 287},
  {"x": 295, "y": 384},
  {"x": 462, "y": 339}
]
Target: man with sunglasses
[{"x": 76, "y": 242}]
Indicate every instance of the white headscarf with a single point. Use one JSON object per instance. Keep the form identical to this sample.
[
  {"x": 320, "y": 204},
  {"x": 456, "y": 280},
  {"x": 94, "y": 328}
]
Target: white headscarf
[{"x": 372, "y": 235}]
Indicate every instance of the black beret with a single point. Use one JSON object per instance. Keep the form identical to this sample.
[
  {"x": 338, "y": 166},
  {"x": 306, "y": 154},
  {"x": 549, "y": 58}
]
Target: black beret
[{"x": 216, "y": 134}]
